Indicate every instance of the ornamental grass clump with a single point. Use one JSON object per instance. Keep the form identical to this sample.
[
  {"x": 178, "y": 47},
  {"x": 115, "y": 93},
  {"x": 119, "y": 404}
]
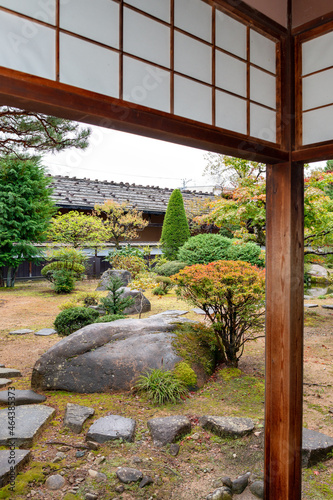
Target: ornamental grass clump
[
  {"x": 231, "y": 293},
  {"x": 161, "y": 387}
]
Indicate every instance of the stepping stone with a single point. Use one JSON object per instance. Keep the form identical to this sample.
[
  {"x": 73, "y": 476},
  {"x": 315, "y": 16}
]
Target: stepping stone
[
  {"x": 128, "y": 475},
  {"x": 4, "y": 382},
  {"x": 9, "y": 372},
  {"x": 315, "y": 447},
  {"x": 22, "y": 397},
  {"x": 23, "y": 331},
  {"x": 197, "y": 310},
  {"x": 29, "y": 420},
  {"x": 327, "y": 307},
  {"x": 257, "y": 488},
  {"x": 45, "y": 332},
  {"x": 110, "y": 428},
  {"x": 310, "y": 306},
  {"x": 76, "y": 416},
  {"x": 21, "y": 457},
  {"x": 2, "y": 366},
  {"x": 166, "y": 430},
  {"x": 227, "y": 426}
]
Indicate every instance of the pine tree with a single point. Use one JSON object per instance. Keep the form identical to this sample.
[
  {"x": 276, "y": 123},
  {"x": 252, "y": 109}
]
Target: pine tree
[{"x": 175, "y": 230}]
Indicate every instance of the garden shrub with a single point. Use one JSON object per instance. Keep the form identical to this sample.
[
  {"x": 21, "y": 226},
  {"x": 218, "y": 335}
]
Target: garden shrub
[
  {"x": 132, "y": 263},
  {"x": 164, "y": 286},
  {"x": 107, "y": 318},
  {"x": 232, "y": 296},
  {"x": 70, "y": 320},
  {"x": 143, "y": 281},
  {"x": 204, "y": 248},
  {"x": 247, "y": 252},
  {"x": 63, "y": 281},
  {"x": 175, "y": 230},
  {"x": 114, "y": 303},
  {"x": 186, "y": 374},
  {"x": 170, "y": 268},
  {"x": 67, "y": 267},
  {"x": 161, "y": 386}
]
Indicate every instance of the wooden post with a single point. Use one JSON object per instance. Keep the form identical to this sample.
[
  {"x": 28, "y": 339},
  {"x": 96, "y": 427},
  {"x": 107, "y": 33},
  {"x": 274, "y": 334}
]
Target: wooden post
[{"x": 284, "y": 331}]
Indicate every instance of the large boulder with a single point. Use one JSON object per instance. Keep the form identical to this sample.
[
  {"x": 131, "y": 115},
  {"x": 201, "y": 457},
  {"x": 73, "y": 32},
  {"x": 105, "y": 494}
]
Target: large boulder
[
  {"x": 109, "y": 356},
  {"x": 122, "y": 274},
  {"x": 319, "y": 274},
  {"x": 141, "y": 303}
]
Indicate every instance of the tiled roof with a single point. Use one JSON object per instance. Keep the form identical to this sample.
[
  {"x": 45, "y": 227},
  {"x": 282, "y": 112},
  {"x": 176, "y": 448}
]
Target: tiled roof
[{"x": 70, "y": 192}]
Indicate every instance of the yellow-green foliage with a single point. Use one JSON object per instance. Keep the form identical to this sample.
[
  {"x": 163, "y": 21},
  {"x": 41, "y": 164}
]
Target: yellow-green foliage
[
  {"x": 230, "y": 373},
  {"x": 184, "y": 372},
  {"x": 24, "y": 481}
]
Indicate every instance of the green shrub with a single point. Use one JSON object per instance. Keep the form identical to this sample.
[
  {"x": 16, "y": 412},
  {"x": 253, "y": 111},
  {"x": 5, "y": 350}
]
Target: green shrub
[
  {"x": 159, "y": 291},
  {"x": 186, "y": 374},
  {"x": 67, "y": 267},
  {"x": 109, "y": 317},
  {"x": 63, "y": 281},
  {"x": 88, "y": 298},
  {"x": 113, "y": 303},
  {"x": 132, "y": 263},
  {"x": 170, "y": 268},
  {"x": 161, "y": 386},
  {"x": 70, "y": 320},
  {"x": 204, "y": 248},
  {"x": 247, "y": 252},
  {"x": 175, "y": 230}
]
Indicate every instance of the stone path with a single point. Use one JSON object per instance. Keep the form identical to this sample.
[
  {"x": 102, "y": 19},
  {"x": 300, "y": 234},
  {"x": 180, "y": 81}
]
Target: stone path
[
  {"x": 4, "y": 382},
  {"x": 21, "y": 397},
  {"x": 76, "y": 416},
  {"x": 20, "y": 458},
  {"x": 9, "y": 373},
  {"x": 23, "y": 331},
  {"x": 46, "y": 332}
]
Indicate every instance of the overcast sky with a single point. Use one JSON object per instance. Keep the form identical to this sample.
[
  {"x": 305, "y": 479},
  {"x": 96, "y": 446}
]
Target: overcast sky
[{"x": 120, "y": 157}]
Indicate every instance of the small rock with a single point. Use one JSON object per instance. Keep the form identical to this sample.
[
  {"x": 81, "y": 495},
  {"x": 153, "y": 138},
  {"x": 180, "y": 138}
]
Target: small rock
[
  {"x": 239, "y": 484},
  {"x": 226, "y": 481},
  {"x": 119, "y": 489},
  {"x": 257, "y": 434},
  {"x": 195, "y": 436},
  {"x": 166, "y": 430},
  {"x": 44, "y": 332},
  {"x": 257, "y": 488},
  {"x": 72, "y": 492},
  {"x": 174, "y": 449},
  {"x": 97, "y": 475},
  {"x": 23, "y": 331},
  {"x": 128, "y": 475},
  {"x": 145, "y": 481},
  {"x": 99, "y": 460},
  {"x": 227, "y": 426},
  {"x": 223, "y": 493},
  {"x": 110, "y": 428},
  {"x": 136, "y": 460},
  {"x": 92, "y": 445},
  {"x": 90, "y": 456},
  {"x": 91, "y": 496},
  {"x": 76, "y": 416},
  {"x": 217, "y": 483},
  {"x": 63, "y": 448},
  {"x": 80, "y": 454},
  {"x": 55, "y": 482},
  {"x": 59, "y": 456}
]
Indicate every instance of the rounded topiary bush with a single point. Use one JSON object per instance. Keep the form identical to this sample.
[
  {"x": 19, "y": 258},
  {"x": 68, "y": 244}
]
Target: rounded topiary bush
[
  {"x": 70, "y": 320},
  {"x": 204, "y": 248},
  {"x": 247, "y": 252},
  {"x": 170, "y": 268},
  {"x": 186, "y": 374},
  {"x": 109, "y": 317}
]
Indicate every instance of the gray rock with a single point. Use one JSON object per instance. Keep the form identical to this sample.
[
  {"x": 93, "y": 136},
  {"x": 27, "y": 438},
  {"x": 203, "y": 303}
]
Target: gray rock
[
  {"x": 197, "y": 310},
  {"x": 226, "y": 481},
  {"x": 310, "y": 306},
  {"x": 122, "y": 274},
  {"x": 119, "y": 489},
  {"x": 4, "y": 382},
  {"x": 22, "y": 397},
  {"x": 91, "y": 496},
  {"x": 223, "y": 493},
  {"x": 174, "y": 449},
  {"x": 108, "y": 356},
  {"x": 76, "y": 416},
  {"x": 166, "y": 430},
  {"x": 328, "y": 306},
  {"x": 318, "y": 271},
  {"x": 29, "y": 419},
  {"x": 44, "y": 332},
  {"x": 23, "y": 331},
  {"x": 55, "y": 482},
  {"x": 227, "y": 426},
  {"x": 146, "y": 480},
  {"x": 59, "y": 457},
  {"x": 141, "y": 303},
  {"x": 80, "y": 454},
  {"x": 239, "y": 484},
  {"x": 7, "y": 474},
  {"x": 110, "y": 428},
  {"x": 92, "y": 445},
  {"x": 257, "y": 489},
  {"x": 128, "y": 475},
  {"x": 315, "y": 447},
  {"x": 9, "y": 372}
]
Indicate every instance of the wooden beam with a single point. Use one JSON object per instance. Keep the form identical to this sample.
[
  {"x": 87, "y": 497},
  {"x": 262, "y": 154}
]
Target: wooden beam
[{"x": 284, "y": 331}]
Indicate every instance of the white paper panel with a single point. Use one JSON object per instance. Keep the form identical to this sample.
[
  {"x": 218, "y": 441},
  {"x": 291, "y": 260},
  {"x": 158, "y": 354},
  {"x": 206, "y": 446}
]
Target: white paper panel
[
  {"x": 88, "y": 66},
  {"x": 230, "y": 34},
  {"x": 262, "y": 123},
  {"x": 318, "y": 89},
  {"x": 27, "y": 46},
  {"x": 230, "y": 112},
  {"x": 262, "y": 51},
  {"x": 43, "y": 10},
  {"x": 193, "y": 100},
  {"x": 146, "y": 85},
  {"x": 157, "y": 8},
  {"x": 262, "y": 87},
  {"x": 193, "y": 58},
  {"x": 195, "y": 17},
  {"x": 230, "y": 73},
  {"x": 98, "y": 20},
  {"x": 146, "y": 38},
  {"x": 317, "y": 54},
  {"x": 318, "y": 125}
]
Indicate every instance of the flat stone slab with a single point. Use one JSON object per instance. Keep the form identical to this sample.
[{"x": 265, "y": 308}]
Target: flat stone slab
[
  {"x": 76, "y": 416},
  {"x": 166, "y": 430},
  {"x": 227, "y": 426},
  {"x": 315, "y": 447},
  {"x": 4, "y": 382},
  {"x": 44, "y": 332},
  {"x": 23, "y": 331},
  {"x": 197, "y": 310},
  {"x": 21, "y": 397},
  {"x": 2, "y": 366},
  {"x": 7, "y": 474},
  {"x": 128, "y": 475},
  {"x": 28, "y": 421},
  {"x": 110, "y": 428},
  {"x": 9, "y": 372},
  {"x": 327, "y": 307},
  {"x": 310, "y": 306}
]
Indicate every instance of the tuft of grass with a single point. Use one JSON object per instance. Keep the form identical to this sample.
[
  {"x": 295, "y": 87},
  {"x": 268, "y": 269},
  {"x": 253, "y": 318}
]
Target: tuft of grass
[{"x": 161, "y": 386}]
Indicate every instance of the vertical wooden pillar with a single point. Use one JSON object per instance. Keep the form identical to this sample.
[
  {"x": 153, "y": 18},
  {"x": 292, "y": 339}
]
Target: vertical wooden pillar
[{"x": 284, "y": 331}]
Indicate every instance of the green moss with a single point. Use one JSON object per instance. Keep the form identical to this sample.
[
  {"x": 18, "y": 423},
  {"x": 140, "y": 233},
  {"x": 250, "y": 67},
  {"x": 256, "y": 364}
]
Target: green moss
[
  {"x": 230, "y": 373},
  {"x": 24, "y": 481},
  {"x": 184, "y": 372}
]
